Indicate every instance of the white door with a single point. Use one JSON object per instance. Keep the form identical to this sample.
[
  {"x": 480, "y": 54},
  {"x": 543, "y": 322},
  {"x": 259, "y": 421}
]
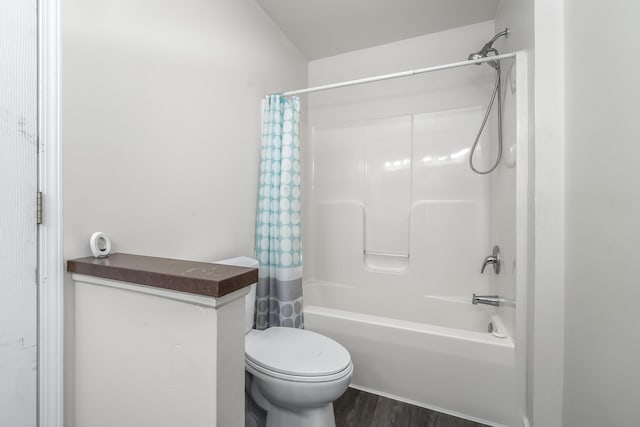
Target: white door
[{"x": 18, "y": 238}]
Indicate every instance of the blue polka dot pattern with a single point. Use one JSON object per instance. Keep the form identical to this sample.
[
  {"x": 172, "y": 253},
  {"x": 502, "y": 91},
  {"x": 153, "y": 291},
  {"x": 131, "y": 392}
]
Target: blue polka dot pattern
[
  {"x": 278, "y": 239},
  {"x": 278, "y": 230}
]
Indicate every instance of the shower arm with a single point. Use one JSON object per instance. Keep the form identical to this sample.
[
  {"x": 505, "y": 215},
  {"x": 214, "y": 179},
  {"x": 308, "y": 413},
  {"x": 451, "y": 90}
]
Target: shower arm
[
  {"x": 488, "y": 47},
  {"x": 504, "y": 33}
]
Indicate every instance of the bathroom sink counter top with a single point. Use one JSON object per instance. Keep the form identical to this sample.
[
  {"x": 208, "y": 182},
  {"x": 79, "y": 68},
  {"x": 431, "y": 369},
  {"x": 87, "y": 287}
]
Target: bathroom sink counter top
[{"x": 200, "y": 278}]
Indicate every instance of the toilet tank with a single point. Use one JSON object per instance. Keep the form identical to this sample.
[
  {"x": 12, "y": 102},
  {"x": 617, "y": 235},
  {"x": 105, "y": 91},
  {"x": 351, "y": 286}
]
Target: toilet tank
[{"x": 250, "y": 298}]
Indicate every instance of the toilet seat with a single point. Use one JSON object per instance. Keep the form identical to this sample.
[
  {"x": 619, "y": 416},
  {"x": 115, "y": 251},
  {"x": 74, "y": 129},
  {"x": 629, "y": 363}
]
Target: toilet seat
[
  {"x": 296, "y": 355},
  {"x": 255, "y": 369}
]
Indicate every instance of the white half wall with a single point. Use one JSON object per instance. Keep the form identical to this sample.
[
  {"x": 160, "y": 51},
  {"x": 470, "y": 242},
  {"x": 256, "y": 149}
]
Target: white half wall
[
  {"x": 161, "y": 127},
  {"x": 148, "y": 357}
]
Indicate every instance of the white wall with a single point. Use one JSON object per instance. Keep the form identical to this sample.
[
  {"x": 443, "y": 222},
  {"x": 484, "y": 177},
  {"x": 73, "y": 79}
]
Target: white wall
[
  {"x": 536, "y": 27},
  {"x": 161, "y": 115},
  {"x": 602, "y": 342},
  {"x": 358, "y": 134},
  {"x": 548, "y": 317},
  {"x": 517, "y": 15}
]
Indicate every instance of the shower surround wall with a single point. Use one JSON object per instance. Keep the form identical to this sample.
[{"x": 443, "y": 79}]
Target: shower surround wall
[
  {"x": 390, "y": 199},
  {"x": 396, "y": 225}
]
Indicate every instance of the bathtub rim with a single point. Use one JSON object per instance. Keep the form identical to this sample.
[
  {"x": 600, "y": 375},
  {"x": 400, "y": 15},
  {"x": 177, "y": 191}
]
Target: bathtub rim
[{"x": 440, "y": 331}]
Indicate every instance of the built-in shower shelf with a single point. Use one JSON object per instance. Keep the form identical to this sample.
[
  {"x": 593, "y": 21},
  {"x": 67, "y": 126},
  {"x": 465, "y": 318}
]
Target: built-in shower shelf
[
  {"x": 387, "y": 254},
  {"x": 386, "y": 262}
]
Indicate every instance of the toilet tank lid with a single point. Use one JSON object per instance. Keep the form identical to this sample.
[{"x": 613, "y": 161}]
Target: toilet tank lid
[{"x": 241, "y": 261}]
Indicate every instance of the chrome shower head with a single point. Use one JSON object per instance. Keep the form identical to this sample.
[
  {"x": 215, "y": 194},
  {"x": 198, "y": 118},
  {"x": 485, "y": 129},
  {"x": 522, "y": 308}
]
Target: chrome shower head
[{"x": 488, "y": 48}]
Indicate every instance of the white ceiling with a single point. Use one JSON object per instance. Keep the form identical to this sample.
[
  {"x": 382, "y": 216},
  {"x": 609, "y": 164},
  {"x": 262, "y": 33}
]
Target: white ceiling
[{"x": 321, "y": 28}]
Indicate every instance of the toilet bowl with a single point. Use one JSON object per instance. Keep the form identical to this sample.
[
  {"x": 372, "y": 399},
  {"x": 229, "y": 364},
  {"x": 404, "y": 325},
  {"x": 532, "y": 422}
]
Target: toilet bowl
[{"x": 294, "y": 374}]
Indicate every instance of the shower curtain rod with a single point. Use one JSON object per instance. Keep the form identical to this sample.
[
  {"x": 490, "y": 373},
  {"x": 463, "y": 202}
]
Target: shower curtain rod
[{"x": 398, "y": 75}]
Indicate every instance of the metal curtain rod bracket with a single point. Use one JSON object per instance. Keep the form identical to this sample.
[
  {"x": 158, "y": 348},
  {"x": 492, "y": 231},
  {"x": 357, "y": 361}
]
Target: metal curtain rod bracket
[{"x": 398, "y": 75}]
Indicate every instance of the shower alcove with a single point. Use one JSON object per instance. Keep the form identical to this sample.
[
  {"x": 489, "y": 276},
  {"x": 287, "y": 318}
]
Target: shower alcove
[{"x": 396, "y": 225}]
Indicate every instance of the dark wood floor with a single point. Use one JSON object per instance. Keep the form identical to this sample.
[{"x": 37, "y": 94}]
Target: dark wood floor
[{"x": 357, "y": 408}]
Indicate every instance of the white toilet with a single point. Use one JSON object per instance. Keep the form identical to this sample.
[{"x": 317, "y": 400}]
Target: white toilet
[{"x": 295, "y": 374}]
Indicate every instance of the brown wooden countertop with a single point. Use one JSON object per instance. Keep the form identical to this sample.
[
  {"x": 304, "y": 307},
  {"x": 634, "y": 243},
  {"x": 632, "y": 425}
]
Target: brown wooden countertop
[{"x": 201, "y": 278}]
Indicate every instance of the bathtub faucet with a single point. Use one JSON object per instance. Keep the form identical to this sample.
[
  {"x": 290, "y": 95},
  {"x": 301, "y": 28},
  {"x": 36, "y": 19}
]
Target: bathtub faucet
[
  {"x": 486, "y": 299},
  {"x": 494, "y": 259}
]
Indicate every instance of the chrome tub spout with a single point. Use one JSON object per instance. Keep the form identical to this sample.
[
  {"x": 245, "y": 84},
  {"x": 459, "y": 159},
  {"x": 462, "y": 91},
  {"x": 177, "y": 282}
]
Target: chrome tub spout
[{"x": 486, "y": 299}]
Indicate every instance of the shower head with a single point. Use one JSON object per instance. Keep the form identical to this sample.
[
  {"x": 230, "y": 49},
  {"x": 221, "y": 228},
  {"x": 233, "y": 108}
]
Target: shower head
[{"x": 488, "y": 48}]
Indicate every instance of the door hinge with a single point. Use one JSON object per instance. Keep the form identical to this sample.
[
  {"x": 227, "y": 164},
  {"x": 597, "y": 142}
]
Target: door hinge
[{"x": 39, "y": 208}]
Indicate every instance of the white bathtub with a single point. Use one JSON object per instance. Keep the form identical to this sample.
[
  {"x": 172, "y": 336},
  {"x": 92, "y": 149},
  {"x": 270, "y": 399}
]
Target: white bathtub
[{"x": 443, "y": 358}]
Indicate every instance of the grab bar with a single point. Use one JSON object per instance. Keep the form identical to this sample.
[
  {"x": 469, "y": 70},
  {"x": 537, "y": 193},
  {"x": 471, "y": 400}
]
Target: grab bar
[{"x": 391, "y": 254}]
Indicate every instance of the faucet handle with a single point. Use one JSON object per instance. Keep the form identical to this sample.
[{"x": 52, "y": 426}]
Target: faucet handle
[
  {"x": 488, "y": 260},
  {"x": 495, "y": 259}
]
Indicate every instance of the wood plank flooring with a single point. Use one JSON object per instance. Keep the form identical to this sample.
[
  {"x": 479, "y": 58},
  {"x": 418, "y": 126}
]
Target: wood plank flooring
[{"x": 357, "y": 408}]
